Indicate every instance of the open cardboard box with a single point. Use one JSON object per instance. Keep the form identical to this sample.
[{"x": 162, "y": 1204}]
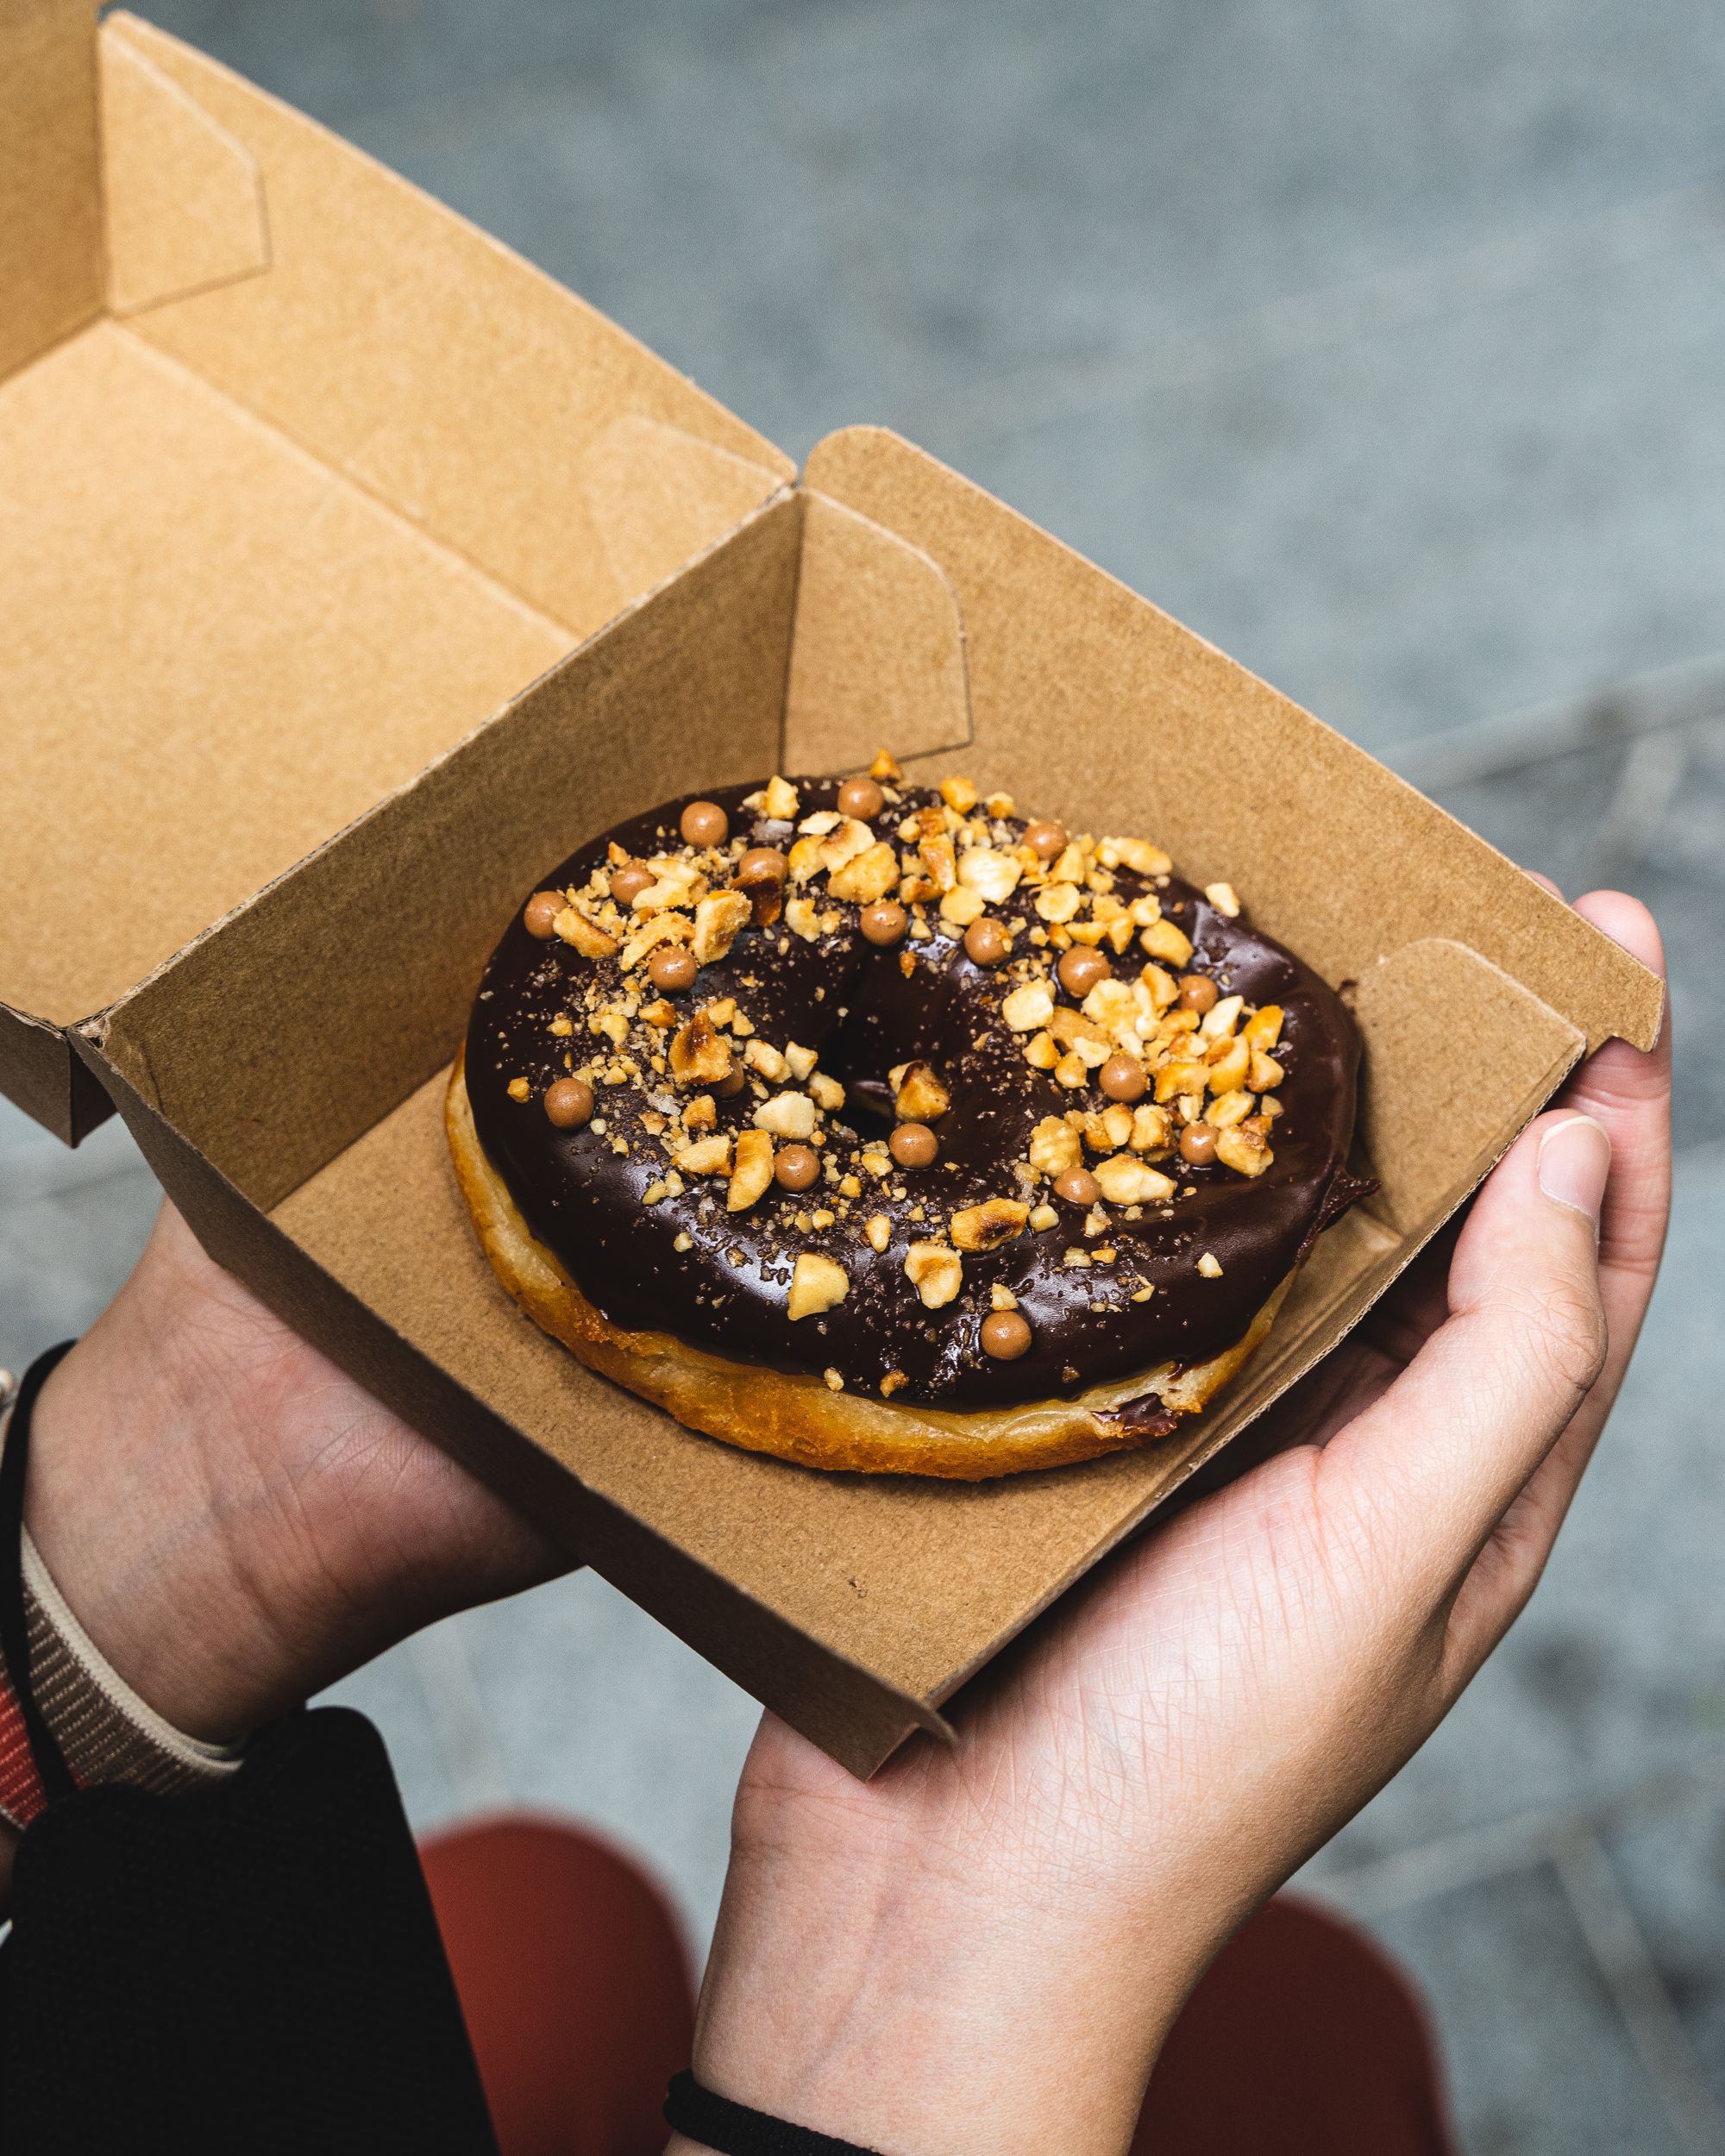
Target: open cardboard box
[{"x": 290, "y": 537}]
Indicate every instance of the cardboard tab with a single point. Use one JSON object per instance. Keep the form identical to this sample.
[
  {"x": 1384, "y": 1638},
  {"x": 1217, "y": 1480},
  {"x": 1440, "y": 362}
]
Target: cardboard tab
[
  {"x": 50, "y": 175},
  {"x": 185, "y": 201},
  {"x": 878, "y": 656},
  {"x": 658, "y": 496}
]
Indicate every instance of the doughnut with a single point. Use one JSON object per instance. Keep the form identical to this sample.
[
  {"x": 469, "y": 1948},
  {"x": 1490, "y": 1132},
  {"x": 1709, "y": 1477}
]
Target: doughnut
[{"x": 883, "y": 1128}]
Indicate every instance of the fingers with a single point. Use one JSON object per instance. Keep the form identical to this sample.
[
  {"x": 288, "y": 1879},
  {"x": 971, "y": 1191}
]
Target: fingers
[{"x": 1430, "y": 1469}]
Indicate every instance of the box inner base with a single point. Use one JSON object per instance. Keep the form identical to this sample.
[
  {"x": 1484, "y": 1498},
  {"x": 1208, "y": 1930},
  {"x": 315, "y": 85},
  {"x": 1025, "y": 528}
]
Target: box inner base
[
  {"x": 917, "y": 1582},
  {"x": 231, "y": 592}
]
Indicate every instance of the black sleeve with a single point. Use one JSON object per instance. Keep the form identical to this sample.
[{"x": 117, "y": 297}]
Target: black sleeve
[{"x": 255, "y": 1968}]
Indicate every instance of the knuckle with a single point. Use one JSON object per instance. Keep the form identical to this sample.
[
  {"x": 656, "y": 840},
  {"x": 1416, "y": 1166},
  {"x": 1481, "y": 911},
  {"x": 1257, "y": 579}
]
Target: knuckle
[{"x": 1563, "y": 1329}]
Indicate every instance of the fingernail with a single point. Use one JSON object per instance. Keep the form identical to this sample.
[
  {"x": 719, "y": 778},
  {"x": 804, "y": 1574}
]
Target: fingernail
[{"x": 1575, "y": 1159}]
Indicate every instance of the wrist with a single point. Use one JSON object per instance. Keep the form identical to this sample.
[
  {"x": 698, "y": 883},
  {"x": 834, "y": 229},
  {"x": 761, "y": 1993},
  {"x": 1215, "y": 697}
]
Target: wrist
[{"x": 902, "y": 2012}]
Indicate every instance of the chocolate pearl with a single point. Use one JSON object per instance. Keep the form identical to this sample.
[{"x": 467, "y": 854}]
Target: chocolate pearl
[
  {"x": 732, "y": 1082},
  {"x": 862, "y": 798},
  {"x": 1077, "y": 1185},
  {"x": 985, "y": 943},
  {"x": 1081, "y": 968},
  {"x": 796, "y": 1166},
  {"x": 1198, "y": 1144},
  {"x": 1198, "y": 992},
  {"x": 541, "y": 911},
  {"x": 704, "y": 823},
  {"x": 884, "y": 922},
  {"x": 569, "y": 1103},
  {"x": 672, "y": 968},
  {"x": 913, "y": 1145},
  {"x": 1046, "y": 839},
  {"x": 627, "y": 883},
  {"x": 763, "y": 864},
  {"x": 1122, "y": 1078},
  {"x": 1005, "y": 1335}
]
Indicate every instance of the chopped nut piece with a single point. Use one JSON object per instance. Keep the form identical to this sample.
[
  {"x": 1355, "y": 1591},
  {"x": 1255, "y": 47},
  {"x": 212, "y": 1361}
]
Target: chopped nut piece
[
  {"x": 1068, "y": 1027},
  {"x": 518, "y": 1089},
  {"x": 1053, "y": 1147},
  {"x": 1071, "y": 1070},
  {"x": 937, "y": 857},
  {"x": 1175, "y": 1081},
  {"x": 1001, "y": 1298},
  {"x": 885, "y": 767},
  {"x": 562, "y": 1027},
  {"x": 1149, "y": 1130},
  {"x": 834, "y": 1379},
  {"x": 960, "y": 908},
  {"x": 789, "y": 1115},
  {"x": 1220, "y": 1019},
  {"x": 802, "y": 920},
  {"x": 706, "y": 1156},
  {"x": 1058, "y": 901},
  {"x": 801, "y": 1060},
  {"x": 685, "y": 1241},
  {"x": 1044, "y": 1218},
  {"x": 868, "y": 877},
  {"x": 1028, "y": 1007},
  {"x": 719, "y": 919},
  {"x": 817, "y": 1284},
  {"x": 1117, "y": 1124},
  {"x": 1222, "y": 896},
  {"x": 1209, "y": 1268},
  {"x": 920, "y": 1097},
  {"x": 1163, "y": 986},
  {"x": 958, "y": 794},
  {"x": 699, "y": 1056},
  {"x": 781, "y": 801},
  {"x": 993, "y": 875},
  {"x": 822, "y": 822},
  {"x": 583, "y": 935},
  {"x": 1042, "y": 1051},
  {"x": 804, "y": 859},
  {"x": 986, "y": 1226},
  {"x": 828, "y": 1093},
  {"x": 891, "y": 1383},
  {"x": 653, "y": 1194},
  {"x": 1163, "y": 940},
  {"x": 1136, "y": 854},
  {"x": 851, "y": 839},
  {"x": 659, "y": 1015},
  {"x": 1229, "y": 1108},
  {"x": 723, "y": 1011},
  {"x": 700, "y": 1114},
  {"x": 936, "y": 1272},
  {"x": 1246, "y": 1148},
  {"x": 752, "y": 1176},
  {"x": 1227, "y": 1070},
  {"x": 1263, "y": 1028},
  {"x": 878, "y": 1164},
  {"x": 760, "y": 1056},
  {"x": 1128, "y": 1181},
  {"x": 1264, "y": 1073},
  {"x": 878, "y": 1231}
]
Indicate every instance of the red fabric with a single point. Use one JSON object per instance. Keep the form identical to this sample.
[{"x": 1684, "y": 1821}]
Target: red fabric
[
  {"x": 575, "y": 1981},
  {"x": 21, "y": 1795},
  {"x": 1302, "y": 2040}
]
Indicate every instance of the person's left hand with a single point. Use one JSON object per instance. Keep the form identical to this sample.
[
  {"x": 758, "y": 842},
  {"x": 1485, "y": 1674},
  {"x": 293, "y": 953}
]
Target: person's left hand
[{"x": 235, "y": 1522}]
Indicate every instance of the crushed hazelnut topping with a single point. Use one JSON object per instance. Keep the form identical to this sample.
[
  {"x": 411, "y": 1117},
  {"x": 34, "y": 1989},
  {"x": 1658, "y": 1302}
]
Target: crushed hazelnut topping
[
  {"x": 986, "y": 1226},
  {"x": 789, "y": 1115},
  {"x": 936, "y": 1272},
  {"x": 921, "y": 1097},
  {"x": 1209, "y": 1268},
  {"x": 518, "y": 1089},
  {"x": 817, "y": 1283},
  {"x": 752, "y": 1174}
]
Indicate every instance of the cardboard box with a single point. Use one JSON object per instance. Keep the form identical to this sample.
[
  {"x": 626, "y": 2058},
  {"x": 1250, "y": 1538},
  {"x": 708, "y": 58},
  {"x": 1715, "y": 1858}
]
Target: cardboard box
[{"x": 359, "y": 482}]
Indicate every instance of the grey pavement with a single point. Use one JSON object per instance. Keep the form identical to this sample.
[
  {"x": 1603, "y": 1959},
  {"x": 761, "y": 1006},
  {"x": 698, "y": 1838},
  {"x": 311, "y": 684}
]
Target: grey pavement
[{"x": 1382, "y": 346}]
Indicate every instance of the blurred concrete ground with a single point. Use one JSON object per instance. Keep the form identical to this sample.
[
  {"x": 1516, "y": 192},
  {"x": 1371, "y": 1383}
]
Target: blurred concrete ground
[{"x": 1384, "y": 346}]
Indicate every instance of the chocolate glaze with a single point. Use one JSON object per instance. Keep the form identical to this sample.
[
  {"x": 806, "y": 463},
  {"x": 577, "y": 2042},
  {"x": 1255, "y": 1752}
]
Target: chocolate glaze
[{"x": 854, "y": 1004}]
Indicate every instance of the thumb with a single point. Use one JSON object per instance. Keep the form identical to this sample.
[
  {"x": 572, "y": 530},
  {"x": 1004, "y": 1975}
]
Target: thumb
[{"x": 1439, "y": 1459}]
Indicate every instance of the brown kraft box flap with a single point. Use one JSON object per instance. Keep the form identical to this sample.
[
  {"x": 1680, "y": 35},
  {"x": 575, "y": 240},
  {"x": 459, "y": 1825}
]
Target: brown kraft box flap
[
  {"x": 886, "y": 596},
  {"x": 305, "y": 478}
]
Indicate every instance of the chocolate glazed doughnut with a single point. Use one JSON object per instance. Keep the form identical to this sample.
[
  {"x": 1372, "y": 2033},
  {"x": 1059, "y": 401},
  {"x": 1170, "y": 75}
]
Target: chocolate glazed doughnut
[{"x": 880, "y": 1128}]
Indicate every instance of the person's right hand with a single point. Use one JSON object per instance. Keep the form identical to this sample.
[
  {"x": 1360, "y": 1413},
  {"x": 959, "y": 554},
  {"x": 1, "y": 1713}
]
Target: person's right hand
[{"x": 981, "y": 1949}]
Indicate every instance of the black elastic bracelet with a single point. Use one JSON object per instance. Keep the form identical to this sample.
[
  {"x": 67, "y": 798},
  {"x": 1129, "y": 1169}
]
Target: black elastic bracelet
[
  {"x": 733, "y": 2129},
  {"x": 15, "y": 1634}
]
